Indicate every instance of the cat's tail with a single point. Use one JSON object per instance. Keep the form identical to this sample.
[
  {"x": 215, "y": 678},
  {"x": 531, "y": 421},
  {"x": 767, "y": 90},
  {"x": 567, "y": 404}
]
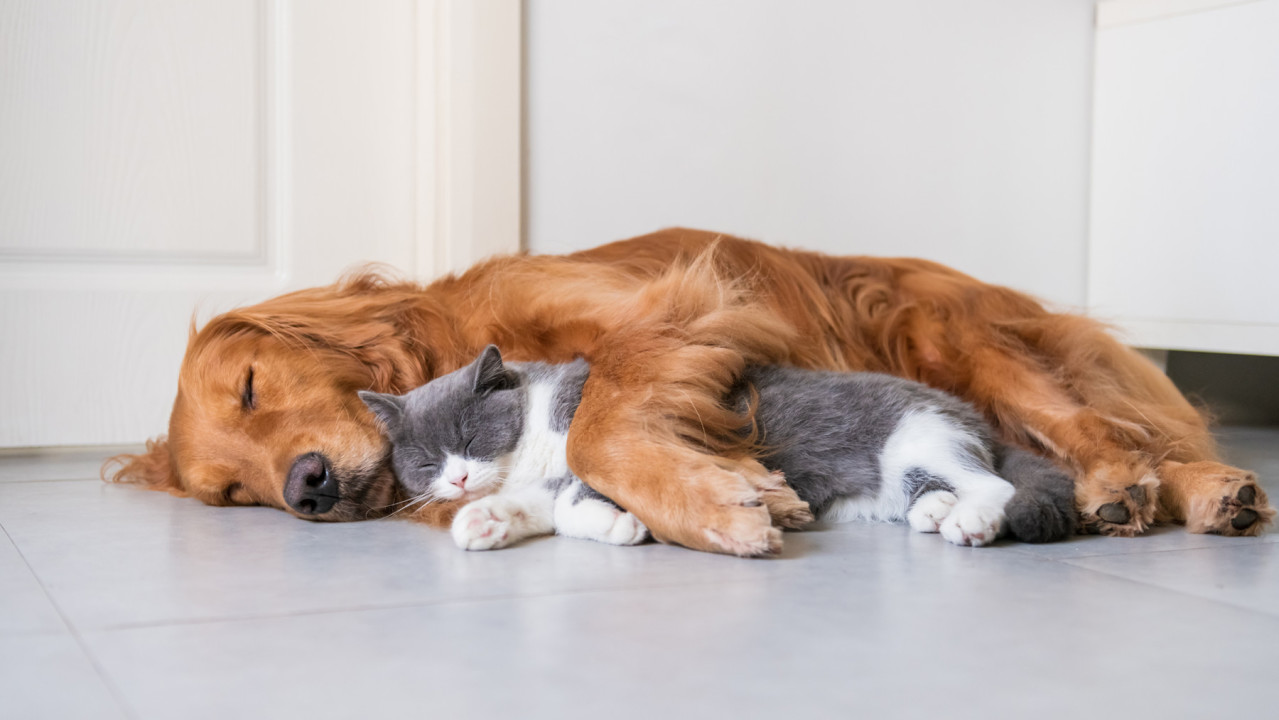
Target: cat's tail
[{"x": 1042, "y": 508}]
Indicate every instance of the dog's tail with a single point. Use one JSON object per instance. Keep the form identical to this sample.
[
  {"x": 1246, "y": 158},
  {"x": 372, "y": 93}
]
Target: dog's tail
[{"x": 1042, "y": 508}]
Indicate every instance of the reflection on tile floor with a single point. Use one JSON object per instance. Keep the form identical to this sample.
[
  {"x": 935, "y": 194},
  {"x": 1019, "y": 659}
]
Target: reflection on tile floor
[{"x": 116, "y": 602}]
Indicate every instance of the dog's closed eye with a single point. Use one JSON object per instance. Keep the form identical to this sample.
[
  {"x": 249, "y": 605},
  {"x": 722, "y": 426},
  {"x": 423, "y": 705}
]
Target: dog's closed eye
[{"x": 248, "y": 400}]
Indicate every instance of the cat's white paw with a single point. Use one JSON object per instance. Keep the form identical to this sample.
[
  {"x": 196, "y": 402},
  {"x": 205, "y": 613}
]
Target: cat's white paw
[
  {"x": 930, "y": 510},
  {"x": 593, "y": 519},
  {"x": 627, "y": 530},
  {"x": 973, "y": 523},
  {"x": 480, "y": 526}
]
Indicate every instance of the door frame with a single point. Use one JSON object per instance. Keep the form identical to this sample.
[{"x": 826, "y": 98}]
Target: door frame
[{"x": 470, "y": 129}]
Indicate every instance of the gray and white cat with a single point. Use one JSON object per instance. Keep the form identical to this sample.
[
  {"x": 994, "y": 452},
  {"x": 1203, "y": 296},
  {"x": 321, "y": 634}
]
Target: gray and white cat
[
  {"x": 497, "y": 433},
  {"x": 852, "y": 445}
]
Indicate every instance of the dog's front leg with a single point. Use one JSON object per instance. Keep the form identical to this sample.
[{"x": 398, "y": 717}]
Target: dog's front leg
[{"x": 684, "y": 495}]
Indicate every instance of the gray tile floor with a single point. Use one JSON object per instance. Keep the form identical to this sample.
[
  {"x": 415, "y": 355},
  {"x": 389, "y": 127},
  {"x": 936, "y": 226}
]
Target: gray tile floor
[{"x": 116, "y": 602}]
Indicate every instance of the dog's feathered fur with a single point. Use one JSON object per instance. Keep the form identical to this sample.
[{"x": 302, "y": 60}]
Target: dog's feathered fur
[{"x": 668, "y": 321}]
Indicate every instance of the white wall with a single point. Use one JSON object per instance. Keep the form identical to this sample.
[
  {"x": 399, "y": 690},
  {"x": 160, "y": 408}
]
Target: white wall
[{"x": 951, "y": 130}]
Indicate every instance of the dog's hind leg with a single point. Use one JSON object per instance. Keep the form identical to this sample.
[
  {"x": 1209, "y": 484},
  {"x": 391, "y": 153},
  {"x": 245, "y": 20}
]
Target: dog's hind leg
[
  {"x": 1209, "y": 497},
  {"x": 1116, "y": 490}
]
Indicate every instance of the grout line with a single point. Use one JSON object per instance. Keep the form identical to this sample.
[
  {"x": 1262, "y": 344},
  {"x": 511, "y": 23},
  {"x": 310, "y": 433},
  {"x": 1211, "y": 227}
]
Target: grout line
[
  {"x": 75, "y": 634},
  {"x": 1243, "y": 543},
  {"x": 408, "y": 604},
  {"x": 1178, "y": 591},
  {"x": 1252, "y": 542}
]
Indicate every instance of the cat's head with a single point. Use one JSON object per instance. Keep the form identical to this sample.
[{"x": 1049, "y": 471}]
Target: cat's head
[{"x": 449, "y": 438}]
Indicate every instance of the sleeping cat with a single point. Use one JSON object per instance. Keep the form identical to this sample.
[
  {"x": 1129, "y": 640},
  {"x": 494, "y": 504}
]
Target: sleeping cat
[
  {"x": 498, "y": 433},
  {"x": 852, "y": 445}
]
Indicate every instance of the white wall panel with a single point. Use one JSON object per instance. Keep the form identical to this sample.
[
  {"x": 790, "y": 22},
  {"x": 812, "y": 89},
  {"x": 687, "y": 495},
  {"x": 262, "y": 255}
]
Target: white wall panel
[
  {"x": 1185, "y": 224},
  {"x": 956, "y": 131}
]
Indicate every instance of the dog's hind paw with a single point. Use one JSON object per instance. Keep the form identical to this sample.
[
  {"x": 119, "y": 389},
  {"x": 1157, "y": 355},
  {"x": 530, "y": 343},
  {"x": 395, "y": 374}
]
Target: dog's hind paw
[
  {"x": 1218, "y": 499},
  {"x": 1117, "y": 500}
]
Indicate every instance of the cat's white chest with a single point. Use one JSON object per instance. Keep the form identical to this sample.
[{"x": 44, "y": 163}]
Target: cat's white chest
[{"x": 541, "y": 451}]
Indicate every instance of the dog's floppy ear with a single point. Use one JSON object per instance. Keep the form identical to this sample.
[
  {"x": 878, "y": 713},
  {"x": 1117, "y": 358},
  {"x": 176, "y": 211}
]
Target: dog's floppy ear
[
  {"x": 490, "y": 373},
  {"x": 152, "y": 469},
  {"x": 388, "y": 408}
]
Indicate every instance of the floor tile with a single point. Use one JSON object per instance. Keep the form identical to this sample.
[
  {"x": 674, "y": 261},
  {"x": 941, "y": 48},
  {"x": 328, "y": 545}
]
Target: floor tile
[
  {"x": 1253, "y": 448},
  {"x": 1246, "y": 575},
  {"x": 192, "y": 611},
  {"x": 1158, "y": 539},
  {"x": 24, "y": 606},
  {"x": 114, "y": 556},
  {"x": 49, "y": 676},
  {"x": 952, "y": 633},
  {"x": 56, "y": 463}
]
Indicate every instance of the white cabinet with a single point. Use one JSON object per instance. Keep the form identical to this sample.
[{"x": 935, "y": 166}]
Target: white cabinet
[{"x": 1184, "y": 242}]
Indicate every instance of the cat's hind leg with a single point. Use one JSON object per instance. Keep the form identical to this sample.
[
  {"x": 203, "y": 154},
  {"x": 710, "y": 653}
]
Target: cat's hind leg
[
  {"x": 497, "y": 521},
  {"x": 583, "y": 513},
  {"x": 930, "y": 510},
  {"x": 978, "y": 518},
  {"x": 935, "y": 446}
]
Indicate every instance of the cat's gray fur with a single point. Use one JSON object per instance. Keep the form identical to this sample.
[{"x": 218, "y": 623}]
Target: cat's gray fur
[
  {"x": 479, "y": 411},
  {"x": 824, "y": 431}
]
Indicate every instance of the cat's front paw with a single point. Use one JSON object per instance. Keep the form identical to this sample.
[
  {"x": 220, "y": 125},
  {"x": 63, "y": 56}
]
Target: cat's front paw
[
  {"x": 972, "y": 523},
  {"x": 627, "y": 530},
  {"x": 479, "y": 526}
]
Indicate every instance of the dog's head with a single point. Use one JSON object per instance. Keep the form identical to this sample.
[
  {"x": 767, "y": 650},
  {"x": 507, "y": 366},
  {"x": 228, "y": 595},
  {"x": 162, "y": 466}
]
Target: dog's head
[{"x": 267, "y": 411}]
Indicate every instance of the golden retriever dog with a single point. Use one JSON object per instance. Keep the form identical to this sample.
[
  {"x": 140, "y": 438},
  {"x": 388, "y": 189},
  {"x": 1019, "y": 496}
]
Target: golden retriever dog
[{"x": 267, "y": 413}]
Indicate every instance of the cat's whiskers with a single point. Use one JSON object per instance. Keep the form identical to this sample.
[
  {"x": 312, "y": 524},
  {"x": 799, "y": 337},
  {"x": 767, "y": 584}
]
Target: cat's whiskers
[{"x": 413, "y": 503}]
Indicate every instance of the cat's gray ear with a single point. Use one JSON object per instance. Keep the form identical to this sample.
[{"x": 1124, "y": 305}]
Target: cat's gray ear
[
  {"x": 490, "y": 373},
  {"x": 388, "y": 408}
]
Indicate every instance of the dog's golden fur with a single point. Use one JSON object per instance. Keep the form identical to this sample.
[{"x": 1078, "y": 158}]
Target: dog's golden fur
[{"x": 668, "y": 321}]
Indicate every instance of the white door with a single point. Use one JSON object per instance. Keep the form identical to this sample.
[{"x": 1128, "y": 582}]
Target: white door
[{"x": 159, "y": 159}]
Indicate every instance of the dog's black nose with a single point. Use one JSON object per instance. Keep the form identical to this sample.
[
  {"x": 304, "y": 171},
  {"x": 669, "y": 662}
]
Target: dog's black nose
[{"x": 311, "y": 488}]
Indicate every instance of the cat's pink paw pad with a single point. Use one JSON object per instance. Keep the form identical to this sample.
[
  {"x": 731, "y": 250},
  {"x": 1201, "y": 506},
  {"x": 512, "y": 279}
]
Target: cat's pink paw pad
[
  {"x": 974, "y": 524},
  {"x": 477, "y": 527},
  {"x": 931, "y": 510}
]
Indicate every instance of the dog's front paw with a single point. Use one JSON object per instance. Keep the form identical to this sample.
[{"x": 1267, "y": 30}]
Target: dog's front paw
[
  {"x": 480, "y": 526},
  {"x": 784, "y": 505}
]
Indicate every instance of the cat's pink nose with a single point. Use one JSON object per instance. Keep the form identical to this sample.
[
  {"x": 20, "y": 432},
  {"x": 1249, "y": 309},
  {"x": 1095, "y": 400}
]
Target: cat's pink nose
[{"x": 460, "y": 482}]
